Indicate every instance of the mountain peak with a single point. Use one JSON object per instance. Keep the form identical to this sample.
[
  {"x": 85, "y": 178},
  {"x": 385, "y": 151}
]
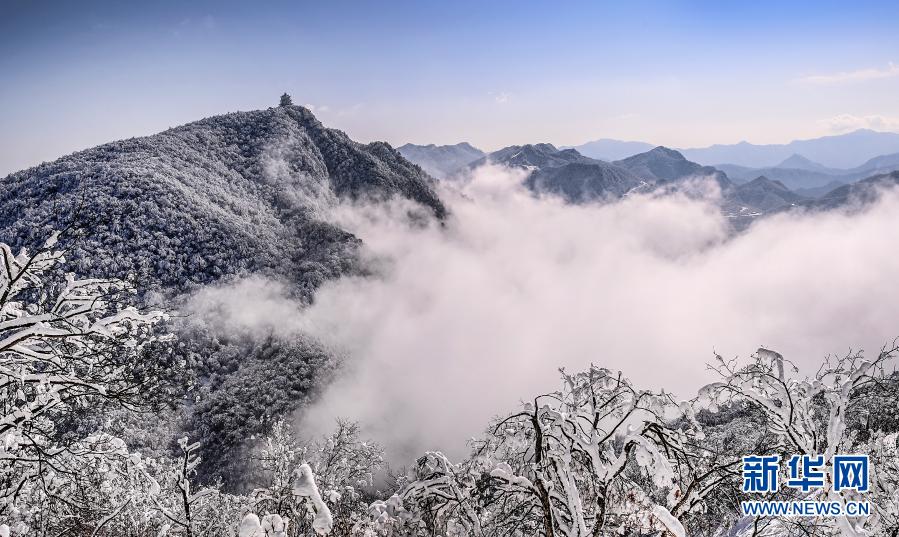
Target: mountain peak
[
  {"x": 467, "y": 146},
  {"x": 656, "y": 154},
  {"x": 799, "y": 162},
  {"x": 224, "y": 194},
  {"x": 662, "y": 151},
  {"x": 664, "y": 164},
  {"x": 543, "y": 147},
  {"x": 762, "y": 180},
  {"x": 764, "y": 195},
  {"x": 542, "y": 155}
]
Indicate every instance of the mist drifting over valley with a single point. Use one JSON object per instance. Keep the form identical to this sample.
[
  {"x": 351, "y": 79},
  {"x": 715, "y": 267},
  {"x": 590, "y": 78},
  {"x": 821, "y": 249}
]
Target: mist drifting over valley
[{"x": 458, "y": 319}]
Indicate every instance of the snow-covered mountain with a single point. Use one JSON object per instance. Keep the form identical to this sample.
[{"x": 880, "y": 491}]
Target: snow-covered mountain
[
  {"x": 664, "y": 165},
  {"x": 205, "y": 203},
  {"x": 667, "y": 168},
  {"x": 532, "y": 156},
  {"x": 224, "y": 195},
  {"x": 441, "y": 161},
  {"x": 580, "y": 179},
  {"x": 584, "y": 181},
  {"x": 565, "y": 172}
]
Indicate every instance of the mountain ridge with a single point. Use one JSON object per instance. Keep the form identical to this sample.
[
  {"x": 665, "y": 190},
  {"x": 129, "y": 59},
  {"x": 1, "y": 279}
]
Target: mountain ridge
[
  {"x": 859, "y": 193},
  {"x": 812, "y": 177},
  {"x": 834, "y": 151},
  {"x": 841, "y": 151},
  {"x": 799, "y": 162},
  {"x": 206, "y": 204},
  {"x": 564, "y": 172},
  {"x": 666, "y": 165},
  {"x": 265, "y": 167}
]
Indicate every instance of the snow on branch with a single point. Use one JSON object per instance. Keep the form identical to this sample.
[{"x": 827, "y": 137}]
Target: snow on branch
[{"x": 63, "y": 346}]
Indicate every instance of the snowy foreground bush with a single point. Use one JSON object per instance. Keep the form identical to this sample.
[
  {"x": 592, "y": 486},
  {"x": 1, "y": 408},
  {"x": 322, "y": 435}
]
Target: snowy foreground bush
[
  {"x": 66, "y": 347},
  {"x": 597, "y": 457},
  {"x": 600, "y": 457}
]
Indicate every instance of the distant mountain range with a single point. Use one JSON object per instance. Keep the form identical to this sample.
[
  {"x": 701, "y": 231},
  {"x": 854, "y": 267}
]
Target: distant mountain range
[
  {"x": 843, "y": 151},
  {"x": 441, "y": 160},
  {"x": 857, "y": 193},
  {"x": 804, "y": 167},
  {"x": 564, "y": 172},
  {"x": 670, "y": 170},
  {"x": 746, "y": 193},
  {"x": 840, "y": 151},
  {"x": 580, "y": 179},
  {"x": 532, "y": 156},
  {"x": 800, "y": 173}
]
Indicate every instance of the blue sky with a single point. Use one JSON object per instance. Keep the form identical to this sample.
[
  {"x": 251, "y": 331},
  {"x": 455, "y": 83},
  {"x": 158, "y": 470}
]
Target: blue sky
[{"x": 75, "y": 74}]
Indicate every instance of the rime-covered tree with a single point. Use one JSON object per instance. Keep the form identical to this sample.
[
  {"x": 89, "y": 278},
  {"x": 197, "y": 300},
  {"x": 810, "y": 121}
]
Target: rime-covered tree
[
  {"x": 285, "y": 100},
  {"x": 343, "y": 464},
  {"x": 65, "y": 346},
  {"x": 573, "y": 463},
  {"x": 600, "y": 457},
  {"x": 826, "y": 414}
]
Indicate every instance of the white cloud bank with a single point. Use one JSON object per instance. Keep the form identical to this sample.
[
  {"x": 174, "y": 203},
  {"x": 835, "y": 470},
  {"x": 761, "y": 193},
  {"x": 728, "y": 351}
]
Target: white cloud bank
[
  {"x": 860, "y": 75},
  {"x": 465, "y": 319},
  {"x": 849, "y": 122}
]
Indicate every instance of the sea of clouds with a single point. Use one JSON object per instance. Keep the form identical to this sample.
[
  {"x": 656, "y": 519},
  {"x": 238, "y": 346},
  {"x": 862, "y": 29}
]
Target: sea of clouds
[{"x": 460, "y": 320}]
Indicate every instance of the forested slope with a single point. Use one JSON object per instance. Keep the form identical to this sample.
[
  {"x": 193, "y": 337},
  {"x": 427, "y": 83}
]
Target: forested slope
[
  {"x": 225, "y": 195},
  {"x": 207, "y": 202}
]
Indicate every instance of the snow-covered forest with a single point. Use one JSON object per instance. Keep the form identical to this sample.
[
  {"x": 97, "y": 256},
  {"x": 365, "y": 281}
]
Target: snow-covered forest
[{"x": 599, "y": 456}]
